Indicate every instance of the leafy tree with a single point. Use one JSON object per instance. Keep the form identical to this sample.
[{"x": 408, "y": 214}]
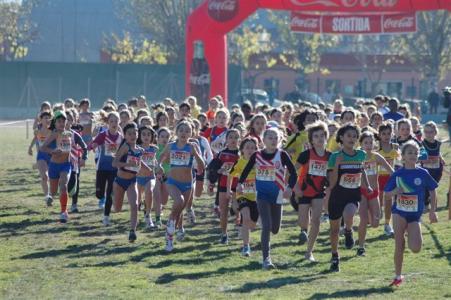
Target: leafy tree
[
  {"x": 430, "y": 46},
  {"x": 16, "y": 29},
  {"x": 125, "y": 50}
]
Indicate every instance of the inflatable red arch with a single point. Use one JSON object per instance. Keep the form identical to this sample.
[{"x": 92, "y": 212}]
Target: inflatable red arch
[{"x": 213, "y": 19}]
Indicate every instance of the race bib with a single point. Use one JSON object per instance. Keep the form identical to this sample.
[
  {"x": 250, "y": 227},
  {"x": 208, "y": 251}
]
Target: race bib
[
  {"x": 85, "y": 119},
  {"x": 219, "y": 143},
  {"x": 266, "y": 173},
  {"x": 135, "y": 161},
  {"x": 65, "y": 143},
  {"x": 317, "y": 168},
  {"x": 351, "y": 181},
  {"x": 149, "y": 158},
  {"x": 227, "y": 166},
  {"x": 249, "y": 186},
  {"x": 180, "y": 158},
  {"x": 110, "y": 149},
  {"x": 407, "y": 203},
  {"x": 41, "y": 139},
  {"x": 370, "y": 168},
  {"x": 433, "y": 162}
]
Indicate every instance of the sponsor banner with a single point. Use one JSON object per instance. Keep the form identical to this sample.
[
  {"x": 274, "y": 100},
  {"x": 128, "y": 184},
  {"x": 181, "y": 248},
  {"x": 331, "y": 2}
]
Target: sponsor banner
[
  {"x": 353, "y": 23},
  {"x": 350, "y": 5}
]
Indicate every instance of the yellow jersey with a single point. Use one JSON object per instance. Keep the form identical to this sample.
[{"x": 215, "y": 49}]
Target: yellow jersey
[
  {"x": 332, "y": 144},
  {"x": 390, "y": 157},
  {"x": 296, "y": 144},
  {"x": 249, "y": 185}
]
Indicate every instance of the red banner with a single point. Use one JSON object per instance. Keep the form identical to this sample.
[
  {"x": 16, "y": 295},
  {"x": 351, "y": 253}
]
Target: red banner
[{"x": 353, "y": 23}]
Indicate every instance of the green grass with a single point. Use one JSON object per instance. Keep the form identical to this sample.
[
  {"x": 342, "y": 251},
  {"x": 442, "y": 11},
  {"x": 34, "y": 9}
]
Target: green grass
[{"x": 41, "y": 259}]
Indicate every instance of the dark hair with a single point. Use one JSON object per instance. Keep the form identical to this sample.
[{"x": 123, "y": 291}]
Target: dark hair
[
  {"x": 343, "y": 129},
  {"x": 152, "y": 133},
  {"x": 133, "y": 102},
  {"x": 161, "y": 129},
  {"x": 347, "y": 111},
  {"x": 45, "y": 113},
  {"x": 247, "y": 105},
  {"x": 184, "y": 104},
  {"x": 85, "y": 101},
  {"x": 58, "y": 115},
  {"x": 246, "y": 140},
  {"x": 317, "y": 126},
  {"x": 366, "y": 134},
  {"x": 300, "y": 118},
  {"x": 385, "y": 126},
  {"x": 230, "y": 131}
]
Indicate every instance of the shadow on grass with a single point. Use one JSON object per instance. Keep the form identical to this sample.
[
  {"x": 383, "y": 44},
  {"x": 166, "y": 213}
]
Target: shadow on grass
[
  {"x": 27, "y": 212},
  {"x": 352, "y": 293},
  {"x": 14, "y": 228},
  {"x": 171, "y": 277},
  {"x": 274, "y": 283},
  {"x": 438, "y": 244}
]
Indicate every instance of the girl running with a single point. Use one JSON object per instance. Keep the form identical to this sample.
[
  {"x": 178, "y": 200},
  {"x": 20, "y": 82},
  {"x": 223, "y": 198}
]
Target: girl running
[
  {"x": 310, "y": 189},
  {"x": 370, "y": 201},
  {"x": 218, "y": 170},
  {"x": 246, "y": 200},
  {"x": 41, "y": 133},
  {"x": 107, "y": 142},
  {"x": 435, "y": 163},
  {"x": 345, "y": 178},
  {"x": 86, "y": 120},
  {"x": 297, "y": 142},
  {"x": 180, "y": 177},
  {"x": 257, "y": 126},
  {"x": 161, "y": 194},
  {"x": 128, "y": 161},
  {"x": 390, "y": 152},
  {"x": 59, "y": 145},
  {"x": 270, "y": 165},
  {"x": 146, "y": 179},
  {"x": 409, "y": 184},
  {"x": 216, "y": 134}
]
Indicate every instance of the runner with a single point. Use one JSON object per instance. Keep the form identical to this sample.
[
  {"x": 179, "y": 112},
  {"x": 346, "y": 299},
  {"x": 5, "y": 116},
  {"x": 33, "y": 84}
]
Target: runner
[
  {"x": 180, "y": 177},
  {"x": 409, "y": 184},
  {"x": 369, "y": 210},
  {"x": 257, "y": 126},
  {"x": 310, "y": 188},
  {"x": 41, "y": 133},
  {"x": 86, "y": 120},
  {"x": 345, "y": 178},
  {"x": 107, "y": 142},
  {"x": 270, "y": 165},
  {"x": 161, "y": 194},
  {"x": 246, "y": 200}
]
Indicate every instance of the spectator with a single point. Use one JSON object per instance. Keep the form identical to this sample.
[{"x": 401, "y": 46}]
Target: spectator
[{"x": 433, "y": 99}]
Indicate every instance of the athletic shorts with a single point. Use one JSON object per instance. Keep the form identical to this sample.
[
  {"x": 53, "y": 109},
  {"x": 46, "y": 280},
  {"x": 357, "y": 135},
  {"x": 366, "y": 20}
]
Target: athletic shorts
[
  {"x": 43, "y": 156},
  {"x": 308, "y": 200},
  {"x": 243, "y": 202},
  {"x": 409, "y": 217},
  {"x": 201, "y": 176},
  {"x": 144, "y": 180},
  {"x": 338, "y": 200},
  {"x": 125, "y": 183},
  {"x": 182, "y": 186},
  {"x": 55, "y": 169},
  {"x": 369, "y": 196},
  {"x": 382, "y": 180}
]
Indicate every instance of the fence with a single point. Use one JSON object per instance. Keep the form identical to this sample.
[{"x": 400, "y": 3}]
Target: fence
[{"x": 24, "y": 85}]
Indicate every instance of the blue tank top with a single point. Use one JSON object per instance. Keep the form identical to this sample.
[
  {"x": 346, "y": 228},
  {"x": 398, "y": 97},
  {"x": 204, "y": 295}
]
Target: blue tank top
[
  {"x": 149, "y": 156},
  {"x": 132, "y": 156},
  {"x": 433, "y": 161},
  {"x": 180, "y": 158}
]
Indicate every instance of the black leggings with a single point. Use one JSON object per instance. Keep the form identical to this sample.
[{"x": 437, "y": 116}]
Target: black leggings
[
  {"x": 73, "y": 186},
  {"x": 104, "y": 181}
]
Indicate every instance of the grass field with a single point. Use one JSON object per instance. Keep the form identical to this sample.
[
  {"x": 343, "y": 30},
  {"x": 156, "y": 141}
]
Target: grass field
[{"x": 41, "y": 259}]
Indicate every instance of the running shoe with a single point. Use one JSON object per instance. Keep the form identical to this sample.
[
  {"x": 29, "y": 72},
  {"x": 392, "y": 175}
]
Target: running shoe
[
  {"x": 180, "y": 235},
  {"x": 64, "y": 217},
  {"x": 149, "y": 223},
  {"x": 224, "y": 239},
  {"x": 324, "y": 218},
  {"x": 361, "y": 251},
  {"x": 106, "y": 221},
  {"x": 303, "y": 237},
  {"x": 170, "y": 227},
  {"x": 102, "y": 203},
  {"x": 191, "y": 216},
  {"x": 309, "y": 256},
  {"x": 335, "y": 264},
  {"x": 169, "y": 243},
  {"x": 158, "y": 224},
  {"x": 388, "y": 230},
  {"x": 349, "y": 240},
  {"x": 74, "y": 208},
  {"x": 397, "y": 281},
  {"x": 49, "y": 200},
  {"x": 246, "y": 251},
  {"x": 267, "y": 264},
  {"x": 132, "y": 236}
]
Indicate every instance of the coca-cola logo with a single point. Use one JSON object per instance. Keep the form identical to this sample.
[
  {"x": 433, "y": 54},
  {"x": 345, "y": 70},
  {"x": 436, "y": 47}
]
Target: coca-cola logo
[
  {"x": 202, "y": 79},
  {"x": 347, "y": 3},
  {"x": 312, "y": 23},
  {"x": 399, "y": 23},
  {"x": 222, "y": 10}
]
